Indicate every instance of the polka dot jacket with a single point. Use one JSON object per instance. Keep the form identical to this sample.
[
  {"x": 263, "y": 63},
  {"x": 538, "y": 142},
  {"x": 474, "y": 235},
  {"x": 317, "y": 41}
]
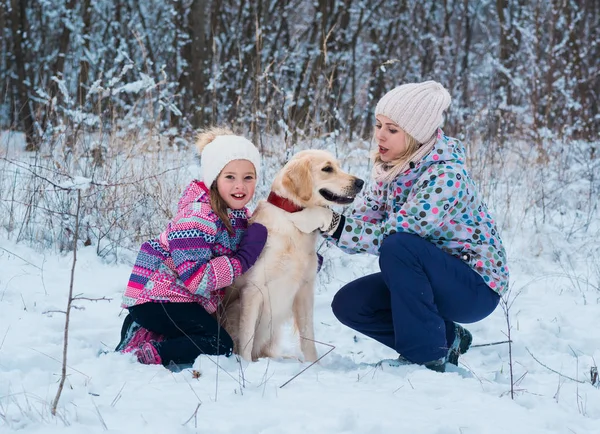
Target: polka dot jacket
[{"x": 437, "y": 200}]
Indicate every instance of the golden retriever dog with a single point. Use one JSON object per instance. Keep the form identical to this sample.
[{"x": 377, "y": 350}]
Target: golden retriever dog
[{"x": 280, "y": 285}]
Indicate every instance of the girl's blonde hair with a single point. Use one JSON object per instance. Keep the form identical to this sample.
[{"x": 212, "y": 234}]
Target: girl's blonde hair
[{"x": 219, "y": 206}]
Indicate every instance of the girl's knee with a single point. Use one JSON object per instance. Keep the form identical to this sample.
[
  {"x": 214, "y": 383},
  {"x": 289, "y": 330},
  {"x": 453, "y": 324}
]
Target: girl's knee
[{"x": 225, "y": 347}]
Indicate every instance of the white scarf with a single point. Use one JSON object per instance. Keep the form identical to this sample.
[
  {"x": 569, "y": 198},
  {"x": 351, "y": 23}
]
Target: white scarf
[{"x": 386, "y": 172}]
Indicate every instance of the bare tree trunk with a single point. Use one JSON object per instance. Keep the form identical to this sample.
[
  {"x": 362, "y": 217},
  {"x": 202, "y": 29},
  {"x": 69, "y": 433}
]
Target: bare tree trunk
[
  {"x": 84, "y": 64},
  {"x": 57, "y": 71},
  {"x": 583, "y": 91},
  {"x": 63, "y": 46},
  {"x": 279, "y": 38},
  {"x": 464, "y": 73},
  {"x": 553, "y": 62},
  {"x": 428, "y": 60},
  {"x": 297, "y": 113},
  {"x": 200, "y": 58},
  {"x": 388, "y": 40},
  {"x": 214, "y": 26},
  {"x": 337, "y": 42},
  {"x": 593, "y": 77},
  {"x": 256, "y": 76},
  {"x": 24, "y": 110},
  {"x": 3, "y": 69},
  {"x": 509, "y": 44},
  {"x": 149, "y": 50}
]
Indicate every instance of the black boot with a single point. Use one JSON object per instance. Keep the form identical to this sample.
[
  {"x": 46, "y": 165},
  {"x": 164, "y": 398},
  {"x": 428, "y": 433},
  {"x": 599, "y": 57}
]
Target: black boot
[
  {"x": 461, "y": 344},
  {"x": 127, "y": 331}
]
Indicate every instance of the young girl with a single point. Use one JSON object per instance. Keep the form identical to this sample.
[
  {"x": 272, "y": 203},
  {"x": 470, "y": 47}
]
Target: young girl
[
  {"x": 179, "y": 278},
  {"x": 440, "y": 252}
]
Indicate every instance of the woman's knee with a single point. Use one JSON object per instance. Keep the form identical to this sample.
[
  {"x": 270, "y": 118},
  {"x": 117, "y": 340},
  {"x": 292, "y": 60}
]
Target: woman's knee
[
  {"x": 341, "y": 305},
  {"x": 338, "y": 306}
]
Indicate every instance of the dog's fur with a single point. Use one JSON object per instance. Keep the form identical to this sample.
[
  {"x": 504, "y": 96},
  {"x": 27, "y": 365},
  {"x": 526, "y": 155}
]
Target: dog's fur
[{"x": 280, "y": 285}]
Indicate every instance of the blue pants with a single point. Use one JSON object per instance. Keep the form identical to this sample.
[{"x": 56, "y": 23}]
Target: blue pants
[{"x": 411, "y": 305}]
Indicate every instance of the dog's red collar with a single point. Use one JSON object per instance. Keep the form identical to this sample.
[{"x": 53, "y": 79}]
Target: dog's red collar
[{"x": 283, "y": 203}]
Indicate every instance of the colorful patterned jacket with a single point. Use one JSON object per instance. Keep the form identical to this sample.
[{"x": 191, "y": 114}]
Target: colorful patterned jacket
[
  {"x": 191, "y": 261},
  {"x": 437, "y": 200}
]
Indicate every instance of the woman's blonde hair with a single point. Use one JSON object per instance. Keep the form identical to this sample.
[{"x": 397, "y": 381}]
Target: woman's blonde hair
[{"x": 412, "y": 146}]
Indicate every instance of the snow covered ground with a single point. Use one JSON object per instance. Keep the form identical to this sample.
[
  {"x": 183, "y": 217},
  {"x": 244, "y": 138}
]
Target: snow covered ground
[
  {"x": 555, "y": 306},
  {"x": 552, "y": 319}
]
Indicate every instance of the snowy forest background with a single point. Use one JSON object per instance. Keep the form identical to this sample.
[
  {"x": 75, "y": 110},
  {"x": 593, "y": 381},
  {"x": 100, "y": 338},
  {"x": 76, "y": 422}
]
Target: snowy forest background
[
  {"x": 515, "y": 68},
  {"x": 107, "y": 90}
]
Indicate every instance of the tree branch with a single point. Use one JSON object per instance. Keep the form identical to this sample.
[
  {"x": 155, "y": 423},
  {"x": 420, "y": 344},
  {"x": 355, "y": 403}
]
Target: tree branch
[{"x": 68, "y": 312}]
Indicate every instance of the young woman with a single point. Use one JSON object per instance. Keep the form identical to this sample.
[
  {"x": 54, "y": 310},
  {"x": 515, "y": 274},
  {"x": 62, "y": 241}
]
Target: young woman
[{"x": 440, "y": 252}]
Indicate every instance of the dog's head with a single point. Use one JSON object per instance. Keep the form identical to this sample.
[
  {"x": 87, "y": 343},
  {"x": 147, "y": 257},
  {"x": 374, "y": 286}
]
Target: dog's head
[{"x": 314, "y": 178}]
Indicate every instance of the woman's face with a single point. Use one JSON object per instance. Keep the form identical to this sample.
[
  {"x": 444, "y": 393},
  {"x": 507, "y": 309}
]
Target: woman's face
[
  {"x": 236, "y": 183},
  {"x": 390, "y": 138}
]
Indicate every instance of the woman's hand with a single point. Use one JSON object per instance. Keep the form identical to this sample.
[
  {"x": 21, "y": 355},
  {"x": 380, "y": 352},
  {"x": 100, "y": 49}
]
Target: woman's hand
[{"x": 310, "y": 219}]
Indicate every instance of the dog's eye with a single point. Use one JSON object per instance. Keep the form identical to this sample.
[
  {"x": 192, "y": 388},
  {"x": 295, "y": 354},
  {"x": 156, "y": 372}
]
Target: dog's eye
[{"x": 327, "y": 169}]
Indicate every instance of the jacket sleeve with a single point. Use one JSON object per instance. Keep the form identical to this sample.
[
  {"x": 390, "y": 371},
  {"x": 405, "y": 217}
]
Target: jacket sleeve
[
  {"x": 368, "y": 208},
  {"x": 191, "y": 240},
  {"x": 436, "y": 195}
]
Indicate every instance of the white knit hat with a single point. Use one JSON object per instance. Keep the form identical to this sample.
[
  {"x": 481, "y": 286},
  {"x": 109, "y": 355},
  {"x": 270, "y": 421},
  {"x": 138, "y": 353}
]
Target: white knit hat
[
  {"x": 222, "y": 150},
  {"x": 417, "y": 108}
]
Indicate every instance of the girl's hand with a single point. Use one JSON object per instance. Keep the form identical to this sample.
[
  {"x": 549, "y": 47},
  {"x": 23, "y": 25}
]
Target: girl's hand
[{"x": 251, "y": 245}]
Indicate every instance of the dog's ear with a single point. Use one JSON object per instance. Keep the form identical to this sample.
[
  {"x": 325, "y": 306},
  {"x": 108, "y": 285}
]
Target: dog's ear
[{"x": 297, "y": 179}]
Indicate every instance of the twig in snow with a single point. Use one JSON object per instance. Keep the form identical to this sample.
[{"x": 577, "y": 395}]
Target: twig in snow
[
  {"x": 91, "y": 299},
  {"x": 70, "y": 367},
  {"x": 22, "y": 259},
  {"x": 195, "y": 416},
  {"x": 491, "y": 343},
  {"x": 4, "y": 338},
  {"x": 67, "y": 316},
  {"x": 54, "y": 311},
  {"x": 553, "y": 370},
  {"x": 313, "y": 363},
  {"x": 118, "y": 396},
  {"x": 242, "y": 376},
  {"x": 100, "y": 417},
  {"x": 507, "y": 303}
]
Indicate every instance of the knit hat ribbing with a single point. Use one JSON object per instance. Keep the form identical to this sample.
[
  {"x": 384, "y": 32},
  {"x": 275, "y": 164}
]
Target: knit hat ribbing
[
  {"x": 417, "y": 108},
  {"x": 221, "y": 150}
]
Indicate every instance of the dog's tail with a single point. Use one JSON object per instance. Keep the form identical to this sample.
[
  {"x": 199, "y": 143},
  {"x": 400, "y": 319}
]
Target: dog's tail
[{"x": 210, "y": 134}]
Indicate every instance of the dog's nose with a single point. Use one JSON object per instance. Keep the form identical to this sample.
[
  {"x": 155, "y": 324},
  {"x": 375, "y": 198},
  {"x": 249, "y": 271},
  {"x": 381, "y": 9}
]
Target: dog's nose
[{"x": 358, "y": 183}]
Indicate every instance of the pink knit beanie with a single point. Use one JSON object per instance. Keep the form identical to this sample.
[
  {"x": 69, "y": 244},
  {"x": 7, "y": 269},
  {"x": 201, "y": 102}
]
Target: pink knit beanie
[{"x": 417, "y": 108}]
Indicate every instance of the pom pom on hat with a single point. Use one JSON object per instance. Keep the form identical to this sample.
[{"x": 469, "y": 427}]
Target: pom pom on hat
[
  {"x": 218, "y": 147},
  {"x": 417, "y": 108}
]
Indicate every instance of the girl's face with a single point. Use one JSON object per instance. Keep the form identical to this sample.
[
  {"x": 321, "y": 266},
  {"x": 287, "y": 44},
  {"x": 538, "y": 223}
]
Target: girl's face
[
  {"x": 236, "y": 183},
  {"x": 390, "y": 138}
]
